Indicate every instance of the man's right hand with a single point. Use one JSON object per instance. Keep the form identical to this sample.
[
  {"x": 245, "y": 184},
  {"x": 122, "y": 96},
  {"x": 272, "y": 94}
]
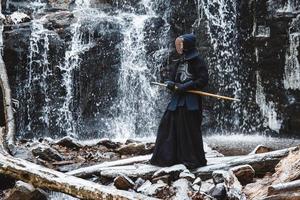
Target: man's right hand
[{"x": 170, "y": 85}]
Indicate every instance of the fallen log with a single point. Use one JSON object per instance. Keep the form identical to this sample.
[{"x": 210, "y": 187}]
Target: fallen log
[
  {"x": 284, "y": 196},
  {"x": 261, "y": 163},
  {"x": 293, "y": 186},
  {"x": 46, "y": 178},
  {"x": 7, "y": 103},
  {"x": 86, "y": 172},
  {"x": 96, "y": 169}
]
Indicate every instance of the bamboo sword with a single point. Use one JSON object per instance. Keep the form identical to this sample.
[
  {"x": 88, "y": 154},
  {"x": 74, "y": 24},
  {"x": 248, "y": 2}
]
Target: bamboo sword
[{"x": 201, "y": 93}]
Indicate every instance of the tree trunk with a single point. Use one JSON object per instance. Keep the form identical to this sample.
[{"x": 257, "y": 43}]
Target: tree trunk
[
  {"x": 284, "y": 187},
  {"x": 8, "y": 109},
  {"x": 45, "y": 178},
  {"x": 261, "y": 163}
]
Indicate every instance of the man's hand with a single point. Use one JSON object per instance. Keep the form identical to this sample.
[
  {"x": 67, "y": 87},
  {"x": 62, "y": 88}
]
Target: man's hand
[{"x": 170, "y": 85}]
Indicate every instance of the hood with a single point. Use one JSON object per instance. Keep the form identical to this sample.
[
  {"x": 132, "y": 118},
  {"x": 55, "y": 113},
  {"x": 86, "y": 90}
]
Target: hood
[{"x": 189, "y": 46}]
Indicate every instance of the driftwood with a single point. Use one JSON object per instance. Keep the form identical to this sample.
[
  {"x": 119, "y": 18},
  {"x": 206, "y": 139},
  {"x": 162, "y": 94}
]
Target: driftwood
[
  {"x": 261, "y": 163},
  {"x": 7, "y": 103},
  {"x": 114, "y": 168},
  {"x": 96, "y": 169},
  {"x": 284, "y": 196},
  {"x": 42, "y": 177},
  {"x": 284, "y": 187}
]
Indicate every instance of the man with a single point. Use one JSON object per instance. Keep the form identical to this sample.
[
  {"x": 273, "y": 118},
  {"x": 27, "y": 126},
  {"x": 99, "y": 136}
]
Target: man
[{"x": 179, "y": 138}]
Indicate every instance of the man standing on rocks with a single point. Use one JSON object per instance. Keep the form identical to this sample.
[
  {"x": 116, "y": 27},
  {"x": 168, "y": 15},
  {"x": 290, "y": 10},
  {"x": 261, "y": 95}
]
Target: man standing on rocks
[{"x": 179, "y": 137}]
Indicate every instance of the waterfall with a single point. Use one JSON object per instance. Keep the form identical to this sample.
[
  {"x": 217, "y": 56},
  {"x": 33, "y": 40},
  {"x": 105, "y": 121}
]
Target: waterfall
[
  {"x": 135, "y": 110},
  {"x": 267, "y": 108},
  {"x": 292, "y": 65},
  {"x": 52, "y": 94},
  {"x": 220, "y": 18},
  {"x": 71, "y": 61},
  {"x": 38, "y": 72}
]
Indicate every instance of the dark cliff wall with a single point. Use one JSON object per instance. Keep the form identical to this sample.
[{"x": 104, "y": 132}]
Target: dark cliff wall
[{"x": 251, "y": 47}]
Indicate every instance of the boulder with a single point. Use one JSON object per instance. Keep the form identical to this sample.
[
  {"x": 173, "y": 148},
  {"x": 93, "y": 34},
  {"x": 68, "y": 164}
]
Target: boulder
[
  {"x": 109, "y": 144},
  {"x": 25, "y": 191},
  {"x": 68, "y": 142},
  {"x": 135, "y": 148},
  {"x": 47, "y": 153},
  {"x": 244, "y": 173},
  {"x": 261, "y": 149},
  {"x": 123, "y": 183}
]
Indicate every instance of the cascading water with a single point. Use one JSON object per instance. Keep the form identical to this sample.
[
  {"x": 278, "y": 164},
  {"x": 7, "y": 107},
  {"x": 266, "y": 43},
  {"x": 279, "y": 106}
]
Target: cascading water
[
  {"x": 220, "y": 17},
  {"x": 135, "y": 111},
  {"x": 268, "y": 109},
  {"x": 88, "y": 72},
  {"x": 292, "y": 65},
  {"x": 38, "y": 73}
]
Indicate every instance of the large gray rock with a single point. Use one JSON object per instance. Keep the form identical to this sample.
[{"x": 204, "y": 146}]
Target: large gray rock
[
  {"x": 135, "y": 148},
  {"x": 25, "y": 191},
  {"x": 69, "y": 143},
  {"x": 47, "y": 153},
  {"x": 218, "y": 192}
]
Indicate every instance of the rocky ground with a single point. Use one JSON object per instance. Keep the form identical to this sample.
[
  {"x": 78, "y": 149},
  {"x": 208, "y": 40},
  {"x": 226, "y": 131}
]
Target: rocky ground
[{"x": 126, "y": 167}]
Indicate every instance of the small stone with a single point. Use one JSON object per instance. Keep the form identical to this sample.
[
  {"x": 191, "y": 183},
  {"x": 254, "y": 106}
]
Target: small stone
[
  {"x": 187, "y": 175},
  {"x": 207, "y": 185},
  {"x": 138, "y": 183},
  {"x": 68, "y": 142},
  {"x": 123, "y": 183},
  {"x": 218, "y": 176},
  {"x": 244, "y": 173},
  {"x": 218, "y": 192},
  {"x": 261, "y": 149},
  {"x": 47, "y": 153},
  {"x": 151, "y": 189},
  {"x": 165, "y": 179}
]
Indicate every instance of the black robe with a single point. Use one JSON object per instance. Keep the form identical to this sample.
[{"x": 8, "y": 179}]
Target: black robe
[{"x": 179, "y": 137}]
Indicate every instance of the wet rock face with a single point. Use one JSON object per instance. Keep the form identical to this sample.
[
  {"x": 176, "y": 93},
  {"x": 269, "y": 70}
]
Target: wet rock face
[
  {"x": 263, "y": 44},
  {"x": 269, "y": 45}
]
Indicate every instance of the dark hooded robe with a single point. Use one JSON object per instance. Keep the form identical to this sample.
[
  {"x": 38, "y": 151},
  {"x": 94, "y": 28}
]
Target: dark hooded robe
[{"x": 179, "y": 137}]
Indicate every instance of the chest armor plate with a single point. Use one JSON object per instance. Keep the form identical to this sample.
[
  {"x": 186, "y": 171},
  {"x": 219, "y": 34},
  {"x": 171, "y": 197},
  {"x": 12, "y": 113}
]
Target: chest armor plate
[{"x": 183, "y": 74}]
